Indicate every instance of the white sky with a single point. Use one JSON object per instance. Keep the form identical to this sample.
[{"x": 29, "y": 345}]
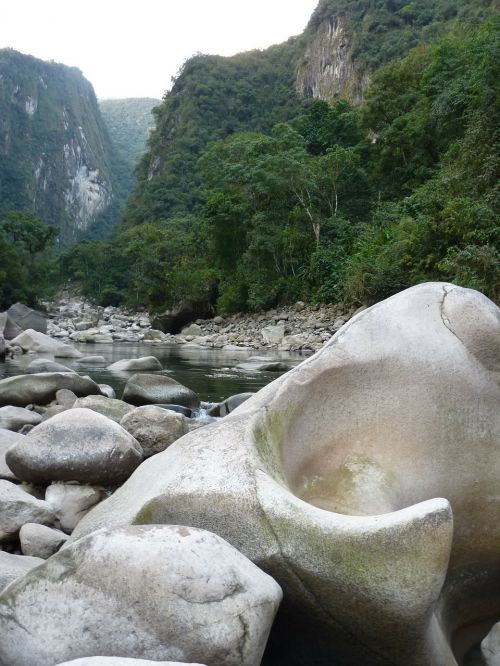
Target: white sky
[{"x": 132, "y": 48}]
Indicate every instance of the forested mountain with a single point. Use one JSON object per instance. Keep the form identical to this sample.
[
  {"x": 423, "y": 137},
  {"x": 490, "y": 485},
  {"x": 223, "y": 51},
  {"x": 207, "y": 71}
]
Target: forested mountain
[
  {"x": 344, "y": 165},
  {"x": 129, "y": 122},
  {"x": 56, "y": 158}
]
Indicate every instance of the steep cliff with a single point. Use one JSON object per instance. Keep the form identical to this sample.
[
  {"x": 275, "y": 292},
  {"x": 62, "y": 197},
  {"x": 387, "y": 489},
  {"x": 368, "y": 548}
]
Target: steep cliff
[
  {"x": 56, "y": 158},
  {"x": 347, "y": 40}
]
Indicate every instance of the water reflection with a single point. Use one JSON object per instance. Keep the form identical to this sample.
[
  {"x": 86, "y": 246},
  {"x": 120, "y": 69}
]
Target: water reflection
[{"x": 211, "y": 373}]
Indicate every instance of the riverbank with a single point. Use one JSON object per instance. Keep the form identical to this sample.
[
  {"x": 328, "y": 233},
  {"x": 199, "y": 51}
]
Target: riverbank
[{"x": 299, "y": 327}]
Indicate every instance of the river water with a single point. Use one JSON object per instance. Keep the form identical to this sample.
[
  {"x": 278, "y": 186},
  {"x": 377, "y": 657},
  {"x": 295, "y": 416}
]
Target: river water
[{"x": 211, "y": 373}]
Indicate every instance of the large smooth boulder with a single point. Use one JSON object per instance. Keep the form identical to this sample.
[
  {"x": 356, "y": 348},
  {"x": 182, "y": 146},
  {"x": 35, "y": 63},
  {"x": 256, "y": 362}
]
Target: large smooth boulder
[
  {"x": 13, "y": 567},
  {"x": 14, "y": 418},
  {"x": 26, "y": 317},
  {"x": 7, "y": 439},
  {"x": 155, "y": 592},
  {"x": 42, "y": 387},
  {"x": 40, "y": 343},
  {"x": 70, "y": 502},
  {"x": 17, "y": 508},
  {"x": 135, "y": 364},
  {"x": 155, "y": 428},
  {"x": 46, "y": 365},
  {"x": 110, "y": 407},
  {"x": 143, "y": 389},
  {"x": 365, "y": 481},
  {"x": 76, "y": 445},
  {"x": 172, "y": 321}
]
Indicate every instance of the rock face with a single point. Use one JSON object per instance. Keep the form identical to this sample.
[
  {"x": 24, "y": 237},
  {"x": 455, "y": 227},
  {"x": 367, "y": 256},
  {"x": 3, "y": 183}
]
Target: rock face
[
  {"x": 18, "y": 508},
  {"x": 331, "y": 479},
  {"x": 157, "y": 592},
  {"x": 151, "y": 389},
  {"x": 31, "y": 340},
  {"x": 134, "y": 364},
  {"x": 154, "y": 428},
  {"x": 42, "y": 387},
  {"x": 26, "y": 318},
  {"x": 76, "y": 445},
  {"x": 13, "y": 567}
]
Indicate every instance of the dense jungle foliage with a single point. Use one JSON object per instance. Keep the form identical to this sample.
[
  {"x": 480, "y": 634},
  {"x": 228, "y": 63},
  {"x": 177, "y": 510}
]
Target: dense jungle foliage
[{"x": 338, "y": 204}]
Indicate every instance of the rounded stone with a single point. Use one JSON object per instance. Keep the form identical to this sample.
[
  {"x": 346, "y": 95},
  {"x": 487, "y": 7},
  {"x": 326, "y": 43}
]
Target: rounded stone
[
  {"x": 17, "y": 508},
  {"x": 154, "y": 428},
  {"x": 76, "y": 445},
  {"x": 154, "y": 592},
  {"x": 111, "y": 408},
  {"x": 143, "y": 389},
  {"x": 135, "y": 364}
]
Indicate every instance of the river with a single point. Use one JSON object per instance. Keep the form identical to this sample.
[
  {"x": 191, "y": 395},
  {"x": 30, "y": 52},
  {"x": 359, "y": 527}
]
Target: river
[{"x": 211, "y": 373}]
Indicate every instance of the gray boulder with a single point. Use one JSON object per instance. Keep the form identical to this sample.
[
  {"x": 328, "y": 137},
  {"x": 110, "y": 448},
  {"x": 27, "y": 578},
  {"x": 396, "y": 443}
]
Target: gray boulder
[
  {"x": 8, "y": 327},
  {"x": 273, "y": 335},
  {"x": 40, "y": 343},
  {"x": 113, "y": 409},
  {"x": 18, "y": 508},
  {"x": 65, "y": 398},
  {"x": 77, "y": 445},
  {"x": 490, "y": 647},
  {"x": 150, "y": 389},
  {"x": 42, "y": 387},
  {"x": 154, "y": 428},
  {"x": 135, "y": 364},
  {"x": 13, "y": 567},
  {"x": 14, "y": 418},
  {"x": 46, "y": 365},
  {"x": 154, "y": 592},
  {"x": 70, "y": 502},
  {"x": 26, "y": 317},
  {"x": 107, "y": 390},
  {"x": 92, "y": 360},
  {"x": 40, "y": 541},
  {"x": 229, "y": 405},
  {"x": 7, "y": 439},
  {"x": 363, "y": 481}
]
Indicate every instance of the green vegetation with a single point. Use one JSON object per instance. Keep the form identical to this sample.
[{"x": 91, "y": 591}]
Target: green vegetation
[
  {"x": 28, "y": 270},
  {"x": 129, "y": 122}
]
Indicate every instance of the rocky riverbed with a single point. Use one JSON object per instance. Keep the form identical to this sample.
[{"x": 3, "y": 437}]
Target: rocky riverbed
[{"x": 299, "y": 327}]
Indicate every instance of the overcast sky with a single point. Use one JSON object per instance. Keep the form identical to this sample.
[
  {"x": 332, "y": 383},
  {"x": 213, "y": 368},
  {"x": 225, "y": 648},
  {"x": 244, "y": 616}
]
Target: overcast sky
[{"x": 132, "y": 48}]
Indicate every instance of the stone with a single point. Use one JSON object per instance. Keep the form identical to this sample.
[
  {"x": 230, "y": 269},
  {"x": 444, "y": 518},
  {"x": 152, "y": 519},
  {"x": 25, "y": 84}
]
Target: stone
[
  {"x": 27, "y": 318},
  {"x": 176, "y": 408},
  {"x": 46, "y": 365},
  {"x": 13, "y": 567},
  {"x": 92, "y": 360},
  {"x": 77, "y": 445},
  {"x": 70, "y": 502},
  {"x": 42, "y": 387},
  {"x": 107, "y": 390},
  {"x": 40, "y": 541},
  {"x": 112, "y": 408},
  {"x": 66, "y": 398},
  {"x": 143, "y": 389},
  {"x": 155, "y": 592},
  {"x": 122, "y": 661},
  {"x": 262, "y": 364},
  {"x": 230, "y": 404},
  {"x": 490, "y": 647},
  {"x": 154, "y": 428},
  {"x": 40, "y": 343},
  {"x": 8, "y": 327},
  {"x": 364, "y": 481},
  {"x": 14, "y": 418},
  {"x": 18, "y": 507},
  {"x": 193, "y": 329},
  {"x": 273, "y": 335},
  {"x": 135, "y": 364},
  {"x": 7, "y": 439}
]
